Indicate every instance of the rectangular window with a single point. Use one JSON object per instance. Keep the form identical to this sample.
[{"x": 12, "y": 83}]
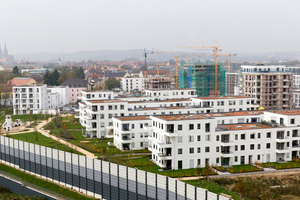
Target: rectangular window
[
  {"x": 141, "y": 125},
  {"x": 236, "y": 136},
  {"x": 109, "y": 116},
  {"x": 268, "y": 134},
  {"x": 235, "y": 158},
  {"x": 180, "y": 164},
  {"x": 191, "y": 138},
  {"x": 198, "y": 162},
  {"x": 252, "y": 136},
  {"x": 207, "y": 149},
  {"x": 180, "y": 127},
  {"x": 207, "y": 127},
  {"x": 242, "y": 147},
  {"x": 251, "y": 146},
  {"x": 132, "y": 126},
  {"x": 292, "y": 121},
  {"x": 191, "y": 126},
  {"x": 141, "y": 135},
  {"x": 207, "y": 138},
  {"x": 258, "y": 146},
  {"x": 258, "y": 135},
  {"x": 268, "y": 145},
  {"x": 243, "y": 136},
  {"x": 179, "y": 139},
  {"x": 101, "y": 116},
  {"x": 191, "y": 150},
  {"x": 236, "y": 148},
  {"x": 180, "y": 151},
  {"x": 217, "y": 138},
  {"x": 217, "y": 160},
  {"x": 199, "y": 126},
  {"x": 217, "y": 149},
  {"x": 198, "y": 138}
]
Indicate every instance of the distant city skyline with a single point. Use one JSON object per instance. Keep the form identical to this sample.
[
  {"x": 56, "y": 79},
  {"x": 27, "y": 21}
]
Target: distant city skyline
[{"x": 72, "y": 25}]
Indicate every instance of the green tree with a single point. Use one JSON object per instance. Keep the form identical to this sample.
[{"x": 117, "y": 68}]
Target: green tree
[
  {"x": 71, "y": 74},
  {"x": 47, "y": 78},
  {"x": 54, "y": 77},
  {"x": 79, "y": 72},
  {"x": 15, "y": 70},
  {"x": 63, "y": 71},
  {"x": 9, "y": 76}
]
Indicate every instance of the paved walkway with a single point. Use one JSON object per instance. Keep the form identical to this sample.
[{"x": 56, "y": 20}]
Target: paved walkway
[
  {"x": 45, "y": 133},
  {"x": 241, "y": 174}
]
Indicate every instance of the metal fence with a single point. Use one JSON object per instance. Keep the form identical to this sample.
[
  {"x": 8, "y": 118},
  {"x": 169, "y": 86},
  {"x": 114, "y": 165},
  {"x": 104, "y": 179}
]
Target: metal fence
[{"x": 94, "y": 177}]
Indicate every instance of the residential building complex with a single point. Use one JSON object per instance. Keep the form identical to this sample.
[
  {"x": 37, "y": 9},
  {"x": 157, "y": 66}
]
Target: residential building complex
[
  {"x": 59, "y": 96},
  {"x": 129, "y": 84},
  {"x": 232, "y": 81},
  {"x": 76, "y": 85},
  {"x": 34, "y": 71},
  {"x": 296, "y": 81},
  {"x": 271, "y": 85}
]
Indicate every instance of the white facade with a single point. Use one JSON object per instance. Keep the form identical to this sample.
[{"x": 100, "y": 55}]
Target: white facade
[
  {"x": 296, "y": 98},
  {"x": 172, "y": 93},
  {"x": 264, "y": 68},
  {"x": 62, "y": 97},
  {"x": 96, "y": 95},
  {"x": 131, "y": 133},
  {"x": 129, "y": 84},
  {"x": 28, "y": 98},
  {"x": 186, "y": 141},
  {"x": 34, "y": 71},
  {"x": 296, "y": 81}
]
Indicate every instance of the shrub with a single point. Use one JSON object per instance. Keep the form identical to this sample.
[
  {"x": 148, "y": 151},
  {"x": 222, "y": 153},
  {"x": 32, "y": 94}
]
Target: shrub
[{"x": 65, "y": 134}]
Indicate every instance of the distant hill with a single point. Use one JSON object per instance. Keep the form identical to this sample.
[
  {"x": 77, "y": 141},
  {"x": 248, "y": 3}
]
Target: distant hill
[{"x": 114, "y": 55}]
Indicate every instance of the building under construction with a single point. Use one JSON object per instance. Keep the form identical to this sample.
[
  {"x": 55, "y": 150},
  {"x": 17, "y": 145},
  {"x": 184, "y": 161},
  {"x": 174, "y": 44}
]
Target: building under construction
[
  {"x": 159, "y": 83},
  {"x": 202, "y": 78}
]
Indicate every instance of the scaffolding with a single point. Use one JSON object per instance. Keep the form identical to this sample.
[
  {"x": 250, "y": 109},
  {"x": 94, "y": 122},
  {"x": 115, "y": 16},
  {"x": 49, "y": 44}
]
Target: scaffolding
[{"x": 201, "y": 77}]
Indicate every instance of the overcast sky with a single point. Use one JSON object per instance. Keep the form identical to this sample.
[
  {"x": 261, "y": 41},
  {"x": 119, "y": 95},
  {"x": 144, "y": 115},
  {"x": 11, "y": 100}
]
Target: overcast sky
[{"x": 57, "y": 26}]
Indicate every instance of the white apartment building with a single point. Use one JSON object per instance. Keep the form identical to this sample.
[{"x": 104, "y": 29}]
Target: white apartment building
[
  {"x": 34, "y": 71},
  {"x": 29, "y": 98},
  {"x": 62, "y": 96},
  {"x": 96, "y": 95},
  {"x": 226, "y": 104},
  {"x": 129, "y": 84},
  {"x": 172, "y": 93},
  {"x": 131, "y": 133},
  {"x": 186, "y": 141},
  {"x": 296, "y": 81},
  {"x": 296, "y": 98}
]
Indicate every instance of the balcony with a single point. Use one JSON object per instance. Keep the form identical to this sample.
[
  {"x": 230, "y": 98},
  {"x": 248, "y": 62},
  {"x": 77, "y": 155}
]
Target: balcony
[
  {"x": 165, "y": 156},
  {"x": 126, "y": 139},
  {"x": 148, "y": 128},
  {"x": 296, "y": 147},
  {"x": 285, "y": 105},
  {"x": 165, "y": 144},
  {"x": 227, "y": 154},
  {"x": 282, "y": 139},
  {"x": 282, "y": 150},
  {"x": 227, "y": 143}
]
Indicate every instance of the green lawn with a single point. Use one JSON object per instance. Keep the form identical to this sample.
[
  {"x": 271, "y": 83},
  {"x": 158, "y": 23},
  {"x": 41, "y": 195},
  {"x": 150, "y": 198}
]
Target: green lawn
[
  {"x": 24, "y": 117},
  {"x": 287, "y": 165},
  {"x": 212, "y": 187},
  {"x": 7, "y": 194},
  {"x": 242, "y": 168},
  {"x": 43, "y": 141},
  {"x": 43, "y": 183}
]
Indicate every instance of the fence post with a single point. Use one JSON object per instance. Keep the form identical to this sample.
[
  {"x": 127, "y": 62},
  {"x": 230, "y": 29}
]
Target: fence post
[
  {"x": 14, "y": 153},
  {"x": 206, "y": 195},
  {"x": 4, "y": 152},
  {"x": 185, "y": 193},
  {"x": 167, "y": 188},
  {"x": 109, "y": 181},
  {"x": 94, "y": 177},
  {"x": 218, "y": 196},
  {"x": 58, "y": 166},
  {"x": 65, "y": 169},
  {"x": 127, "y": 183},
  {"x": 86, "y": 178},
  {"x": 40, "y": 161},
  {"x": 0, "y": 148},
  {"x": 146, "y": 186},
  {"x": 78, "y": 174},
  {"x": 118, "y": 174},
  {"x": 175, "y": 189},
  {"x": 46, "y": 157},
  {"x": 34, "y": 159},
  {"x": 18, "y": 153},
  {"x": 101, "y": 180},
  {"x": 136, "y": 185},
  {"x": 155, "y": 186},
  {"x": 8, "y": 145},
  {"x": 195, "y": 193},
  {"x": 52, "y": 164},
  {"x": 29, "y": 157},
  {"x": 72, "y": 171},
  {"x": 24, "y": 155}
]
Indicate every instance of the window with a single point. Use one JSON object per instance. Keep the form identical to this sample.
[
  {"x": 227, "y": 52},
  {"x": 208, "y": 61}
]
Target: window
[
  {"x": 242, "y": 147},
  {"x": 179, "y": 139},
  {"x": 252, "y": 136},
  {"x": 101, "y": 107},
  {"x": 180, "y": 151},
  {"x": 217, "y": 138},
  {"x": 191, "y": 126},
  {"x": 258, "y": 157},
  {"x": 122, "y": 107},
  {"x": 198, "y": 150},
  {"x": 198, "y": 162},
  {"x": 198, "y": 126},
  {"x": 109, "y": 116},
  {"x": 236, "y": 148},
  {"x": 251, "y": 146},
  {"x": 180, "y": 127},
  {"x": 242, "y": 136},
  {"x": 101, "y": 116},
  {"x": 217, "y": 149},
  {"x": 191, "y": 138},
  {"x": 141, "y": 144},
  {"x": 207, "y": 149},
  {"x": 235, "y": 158},
  {"x": 268, "y": 145},
  {"x": 191, "y": 150},
  {"x": 292, "y": 121},
  {"x": 207, "y": 127},
  {"x": 132, "y": 136},
  {"x": 180, "y": 164},
  {"x": 207, "y": 137},
  {"x": 132, "y": 126},
  {"x": 102, "y": 124},
  {"x": 258, "y": 135},
  {"x": 109, "y": 107},
  {"x": 258, "y": 146},
  {"x": 268, "y": 134},
  {"x": 217, "y": 160},
  {"x": 141, "y": 135},
  {"x": 141, "y": 125},
  {"x": 236, "y": 136},
  {"x": 198, "y": 138}
]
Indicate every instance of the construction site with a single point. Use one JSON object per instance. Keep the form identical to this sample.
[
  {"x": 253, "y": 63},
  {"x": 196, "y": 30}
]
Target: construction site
[{"x": 202, "y": 77}]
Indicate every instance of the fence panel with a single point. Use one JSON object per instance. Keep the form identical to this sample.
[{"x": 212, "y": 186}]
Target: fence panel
[
  {"x": 200, "y": 193},
  {"x": 172, "y": 188},
  {"x": 180, "y": 190},
  {"x": 123, "y": 181},
  {"x": 114, "y": 181},
  {"x": 132, "y": 183},
  {"x": 161, "y": 187},
  {"x": 211, "y": 195}
]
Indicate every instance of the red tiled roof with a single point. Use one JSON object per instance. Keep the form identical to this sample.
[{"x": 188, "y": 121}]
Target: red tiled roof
[{"x": 19, "y": 81}]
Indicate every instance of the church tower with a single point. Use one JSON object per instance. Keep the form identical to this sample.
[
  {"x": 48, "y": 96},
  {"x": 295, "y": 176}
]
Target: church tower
[{"x": 5, "y": 52}]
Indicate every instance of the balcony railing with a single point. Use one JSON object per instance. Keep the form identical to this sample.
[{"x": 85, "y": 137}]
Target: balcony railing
[
  {"x": 226, "y": 152},
  {"x": 282, "y": 148}
]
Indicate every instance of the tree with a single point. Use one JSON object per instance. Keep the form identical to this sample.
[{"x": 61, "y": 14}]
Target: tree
[
  {"x": 47, "y": 78},
  {"x": 79, "y": 72},
  {"x": 15, "y": 70},
  {"x": 71, "y": 74},
  {"x": 54, "y": 77},
  {"x": 240, "y": 187},
  {"x": 63, "y": 71},
  {"x": 9, "y": 76},
  {"x": 60, "y": 80}
]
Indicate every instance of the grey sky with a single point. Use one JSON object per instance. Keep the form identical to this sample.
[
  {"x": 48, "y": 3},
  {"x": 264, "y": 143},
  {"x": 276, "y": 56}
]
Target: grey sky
[{"x": 57, "y": 26}]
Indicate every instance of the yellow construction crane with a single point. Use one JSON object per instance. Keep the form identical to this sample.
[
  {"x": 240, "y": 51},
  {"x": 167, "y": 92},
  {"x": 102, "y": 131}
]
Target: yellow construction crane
[
  {"x": 152, "y": 52},
  {"x": 161, "y": 64},
  {"x": 215, "y": 49},
  {"x": 228, "y": 54}
]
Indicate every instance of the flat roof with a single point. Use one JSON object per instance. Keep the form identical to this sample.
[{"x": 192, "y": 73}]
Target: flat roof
[
  {"x": 170, "y": 89},
  {"x": 181, "y": 117},
  {"x": 229, "y": 127},
  {"x": 286, "y": 112},
  {"x": 224, "y": 97},
  {"x": 132, "y": 118},
  {"x": 105, "y": 101},
  {"x": 242, "y": 113},
  {"x": 96, "y": 91},
  {"x": 169, "y": 100}
]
